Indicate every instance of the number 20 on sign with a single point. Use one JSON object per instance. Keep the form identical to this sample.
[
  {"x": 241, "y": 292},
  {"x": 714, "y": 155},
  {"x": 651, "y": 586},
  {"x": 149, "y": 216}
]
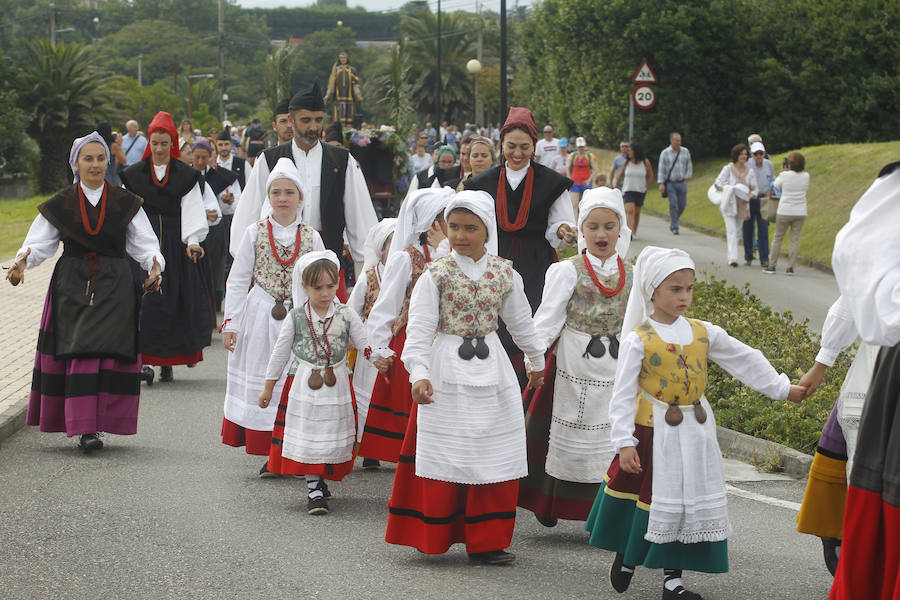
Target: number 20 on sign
[{"x": 644, "y": 97}]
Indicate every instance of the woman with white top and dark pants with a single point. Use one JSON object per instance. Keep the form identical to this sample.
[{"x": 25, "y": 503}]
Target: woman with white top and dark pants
[
  {"x": 793, "y": 182},
  {"x": 634, "y": 179}
]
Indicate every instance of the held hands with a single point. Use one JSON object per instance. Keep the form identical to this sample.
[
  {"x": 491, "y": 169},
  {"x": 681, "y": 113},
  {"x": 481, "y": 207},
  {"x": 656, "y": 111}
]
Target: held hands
[
  {"x": 629, "y": 461},
  {"x": 16, "y": 273},
  {"x": 265, "y": 396},
  {"x": 194, "y": 251},
  {"x": 383, "y": 364},
  {"x": 435, "y": 235},
  {"x": 798, "y": 393},
  {"x": 227, "y": 198},
  {"x": 229, "y": 340},
  {"x": 422, "y": 392},
  {"x": 212, "y": 215},
  {"x": 152, "y": 283},
  {"x": 812, "y": 379},
  {"x": 567, "y": 234},
  {"x": 535, "y": 378}
]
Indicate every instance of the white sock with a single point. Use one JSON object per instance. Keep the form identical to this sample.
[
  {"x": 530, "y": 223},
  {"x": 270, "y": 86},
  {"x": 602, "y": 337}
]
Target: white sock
[
  {"x": 627, "y": 569},
  {"x": 672, "y": 579},
  {"x": 312, "y": 484},
  {"x": 671, "y": 584}
]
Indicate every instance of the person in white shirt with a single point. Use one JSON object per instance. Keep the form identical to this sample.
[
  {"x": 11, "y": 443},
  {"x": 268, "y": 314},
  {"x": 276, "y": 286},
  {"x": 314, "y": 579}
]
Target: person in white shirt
[
  {"x": 546, "y": 149},
  {"x": 793, "y": 182}
]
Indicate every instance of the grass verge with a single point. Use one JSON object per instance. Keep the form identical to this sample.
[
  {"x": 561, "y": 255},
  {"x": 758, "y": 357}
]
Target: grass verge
[{"x": 15, "y": 218}]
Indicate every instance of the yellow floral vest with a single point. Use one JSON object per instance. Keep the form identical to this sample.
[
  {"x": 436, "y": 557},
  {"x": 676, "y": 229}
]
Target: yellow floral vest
[{"x": 669, "y": 372}]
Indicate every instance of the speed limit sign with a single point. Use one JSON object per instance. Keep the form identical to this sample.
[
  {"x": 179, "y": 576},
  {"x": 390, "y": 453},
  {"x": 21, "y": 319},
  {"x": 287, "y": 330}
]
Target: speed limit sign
[{"x": 644, "y": 97}]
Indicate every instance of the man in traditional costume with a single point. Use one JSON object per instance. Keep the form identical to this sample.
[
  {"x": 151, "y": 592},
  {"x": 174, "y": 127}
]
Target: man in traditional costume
[
  {"x": 282, "y": 124},
  {"x": 225, "y": 159}
]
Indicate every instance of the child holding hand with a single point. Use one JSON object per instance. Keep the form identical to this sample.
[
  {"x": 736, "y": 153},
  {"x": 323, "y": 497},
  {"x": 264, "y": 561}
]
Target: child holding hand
[{"x": 663, "y": 503}]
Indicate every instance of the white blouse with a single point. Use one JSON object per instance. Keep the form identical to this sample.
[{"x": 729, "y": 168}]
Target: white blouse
[
  {"x": 235, "y": 189},
  {"x": 793, "y": 187},
  {"x": 395, "y": 279},
  {"x": 561, "y": 211},
  {"x": 424, "y": 314},
  {"x": 838, "y": 332},
  {"x": 727, "y": 177},
  {"x": 559, "y": 286},
  {"x": 738, "y": 359},
  {"x": 357, "y": 298},
  {"x": 282, "y": 351},
  {"x": 194, "y": 224},
  {"x": 238, "y": 285},
  {"x": 141, "y": 242}
]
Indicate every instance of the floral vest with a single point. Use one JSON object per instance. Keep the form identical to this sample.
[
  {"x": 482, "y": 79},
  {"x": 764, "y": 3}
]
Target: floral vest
[
  {"x": 417, "y": 259},
  {"x": 273, "y": 277},
  {"x": 471, "y": 308},
  {"x": 671, "y": 373},
  {"x": 589, "y": 311},
  {"x": 304, "y": 348},
  {"x": 372, "y": 289}
]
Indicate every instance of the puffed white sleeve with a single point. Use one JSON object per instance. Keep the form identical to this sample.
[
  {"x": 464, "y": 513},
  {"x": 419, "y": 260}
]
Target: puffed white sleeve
[
  {"x": 318, "y": 244},
  {"x": 623, "y": 403},
  {"x": 838, "y": 332},
  {"x": 141, "y": 242},
  {"x": 43, "y": 240},
  {"x": 561, "y": 212},
  {"x": 194, "y": 224},
  {"x": 558, "y": 288},
  {"x": 516, "y": 313},
  {"x": 358, "y": 295},
  {"x": 394, "y": 280},
  {"x": 211, "y": 202},
  {"x": 237, "y": 287},
  {"x": 247, "y": 211},
  {"x": 424, "y": 308},
  {"x": 747, "y": 364},
  {"x": 357, "y": 332},
  {"x": 281, "y": 352},
  {"x": 359, "y": 213}
]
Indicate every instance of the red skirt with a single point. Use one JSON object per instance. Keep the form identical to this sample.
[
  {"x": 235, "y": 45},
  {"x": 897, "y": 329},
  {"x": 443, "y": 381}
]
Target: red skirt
[
  {"x": 286, "y": 466},
  {"x": 388, "y": 409},
  {"x": 433, "y": 515},
  {"x": 546, "y": 496},
  {"x": 257, "y": 442},
  {"x": 191, "y": 358}
]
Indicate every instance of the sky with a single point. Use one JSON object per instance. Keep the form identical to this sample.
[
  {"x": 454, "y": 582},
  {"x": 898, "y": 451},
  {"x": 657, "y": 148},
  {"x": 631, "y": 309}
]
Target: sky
[{"x": 384, "y": 5}]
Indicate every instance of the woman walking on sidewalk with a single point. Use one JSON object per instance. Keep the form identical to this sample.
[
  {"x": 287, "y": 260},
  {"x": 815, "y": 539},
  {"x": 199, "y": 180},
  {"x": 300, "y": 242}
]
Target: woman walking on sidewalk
[
  {"x": 87, "y": 367},
  {"x": 793, "y": 182}
]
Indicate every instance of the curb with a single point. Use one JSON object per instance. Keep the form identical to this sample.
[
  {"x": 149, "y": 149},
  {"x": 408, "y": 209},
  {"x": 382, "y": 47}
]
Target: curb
[
  {"x": 753, "y": 450},
  {"x": 13, "y": 418}
]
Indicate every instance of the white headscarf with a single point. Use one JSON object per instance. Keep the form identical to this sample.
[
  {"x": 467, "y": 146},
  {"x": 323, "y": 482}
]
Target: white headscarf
[
  {"x": 418, "y": 211},
  {"x": 285, "y": 169},
  {"x": 653, "y": 265},
  {"x": 375, "y": 242},
  {"x": 604, "y": 197},
  {"x": 80, "y": 143},
  {"x": 298, "y": 295},
  {"x": 482, "y": 204}
]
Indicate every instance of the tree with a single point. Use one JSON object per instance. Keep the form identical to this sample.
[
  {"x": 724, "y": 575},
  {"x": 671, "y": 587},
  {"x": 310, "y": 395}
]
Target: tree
[
  {"x": 13, "y": 149},
  {"x": 394, "y": 91},
  {"x": 66, "y": 96},
  {"x": 277, "y": 72}
]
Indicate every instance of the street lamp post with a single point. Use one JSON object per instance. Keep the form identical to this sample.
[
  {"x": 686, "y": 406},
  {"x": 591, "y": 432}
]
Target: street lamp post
[{"x": 474, "y": 67}]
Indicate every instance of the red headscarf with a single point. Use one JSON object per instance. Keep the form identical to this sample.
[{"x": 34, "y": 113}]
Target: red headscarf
[
  {"x": 163, "y": 122},
  {"x": 520, "y": 118}
]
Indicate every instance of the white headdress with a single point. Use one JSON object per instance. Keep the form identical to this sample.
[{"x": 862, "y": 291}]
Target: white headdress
[
  {"x": 418, "y": 211},
  {"x": 80, "y": 143},
  {"x": 482, "y": 204},
  {"x": 604, "y": 197},
  {"x": 299, "y": 296},
  {"x": 375, "y": 242},
  {"x": 285, "y": 169},
  {"x": 653, "y": 265}
]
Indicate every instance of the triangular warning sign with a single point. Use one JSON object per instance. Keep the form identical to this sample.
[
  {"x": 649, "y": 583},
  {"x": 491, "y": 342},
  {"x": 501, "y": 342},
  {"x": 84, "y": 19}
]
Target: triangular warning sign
[{"x": 644, "y": 74}]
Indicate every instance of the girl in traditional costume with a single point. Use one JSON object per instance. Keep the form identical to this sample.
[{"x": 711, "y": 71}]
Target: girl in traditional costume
[
  {"x": 87, "y": 366},
  {"x": 315, "y": 427},
  {"x": 361, "y": 301},
  {"x": 663, "y": 502},
  {"x": 418, "y": 240},
  {"x": 534, "y": 213},
  {"x": 567, "y": 421},
  {"x": 258, "y": 300},
  {"x": 464, "y": 451}
]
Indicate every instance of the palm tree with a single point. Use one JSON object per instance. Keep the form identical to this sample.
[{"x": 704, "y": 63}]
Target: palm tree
[
  {"x": 65, "y": 96},
  {"x": 457, "y": 47},
  {"x": 394, "y": 91},
  {"x": 277, "y": 74}
]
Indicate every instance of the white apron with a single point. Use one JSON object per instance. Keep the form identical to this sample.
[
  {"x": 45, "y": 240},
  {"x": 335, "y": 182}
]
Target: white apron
[
  {"x": 256, "y": 337},
  {"x": 852, "y": 396},
  {"x": 579, "y": 448},
  {"x": 688, "y": 504},
  {"x": 474, "y": 432},
  {"x": 364, "y": 374},
  {"x": 319, "y": 427}
]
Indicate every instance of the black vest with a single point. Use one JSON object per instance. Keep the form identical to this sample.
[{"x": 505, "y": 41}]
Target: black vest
[
  {"x": 446, "y": 177},
  {"x": 164, "y": 200},
  {"x": 331, "y": 190},
  {"x": 218, "y": 180},
  {"x": 238, "y": 167}
]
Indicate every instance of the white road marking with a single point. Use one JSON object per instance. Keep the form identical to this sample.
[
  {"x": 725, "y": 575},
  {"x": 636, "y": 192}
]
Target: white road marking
[{"x": 762, "y": 498}]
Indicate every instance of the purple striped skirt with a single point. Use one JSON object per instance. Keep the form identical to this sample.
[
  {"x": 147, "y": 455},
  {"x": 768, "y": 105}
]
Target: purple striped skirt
[{"x": 81, "y": 396}]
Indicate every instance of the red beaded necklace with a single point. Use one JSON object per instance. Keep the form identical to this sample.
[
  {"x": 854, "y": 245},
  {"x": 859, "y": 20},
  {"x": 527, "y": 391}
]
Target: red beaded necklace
[
  {"x": 524, "y": 207},
  {"x": 85, "y": 221},
  {"x": 427, "y": 253},
  {"x": 287, "y": 261},
  {"x": 165, "y": 179},
  {"x": 317, "y": 343},
  {"x": 608, "y": 292}
]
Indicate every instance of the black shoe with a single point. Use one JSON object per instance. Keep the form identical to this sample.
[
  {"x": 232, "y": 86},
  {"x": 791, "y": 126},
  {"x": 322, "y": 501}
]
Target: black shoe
[
  {"x": 830, "y": 548},
  {"x": 90, "y": 442},
  {"x": 680, "y": 593},
  {"x": 619, "y": 579},
  {"x": 326, "y": 493},
  {"x": 371, "y": 464},
  {"x": 265, "y": 473},
  {"x": 789, "y": 271},
  {"x": 317, "y": 506},
  {"x": 147, "y": 374},
  {"x": 546, "y": 521},
  {"x": 769, "y": 270},
  {"x": 494, "y": 557},
  {"x": 165, "y": 374},
  {"x": 674, "y": 230},
  {"x": 733, "y": 264}
]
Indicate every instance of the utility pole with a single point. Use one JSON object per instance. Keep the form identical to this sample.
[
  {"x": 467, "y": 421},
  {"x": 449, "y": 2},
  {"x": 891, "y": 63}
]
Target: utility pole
[
  {"x": 52, "y": 8},
  {"x": 140, "y": 70},
  {"x": 479, "y": 106},
  {"x": 221, "y": 60},
  {"x": 438, "y": 92},
  {"x": 502, "y": 116}
]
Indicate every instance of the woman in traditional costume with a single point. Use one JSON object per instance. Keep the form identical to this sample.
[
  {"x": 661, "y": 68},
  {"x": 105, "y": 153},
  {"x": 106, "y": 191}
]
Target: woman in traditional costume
[
  {"x": 315, "y": 427},
  {"x": 258, "y": 300},
  {"x": 418, "y": 240},
  {"x": 87, "y": 366},
  {"x": 542, "y": 218},
  {"x": 663, "y": 503},
  {"x": 464, "y": 451},
  {"x": 567, "y": 420},
  {"x": 361, "y": 301},
  {"x": 177, "y": 323}
]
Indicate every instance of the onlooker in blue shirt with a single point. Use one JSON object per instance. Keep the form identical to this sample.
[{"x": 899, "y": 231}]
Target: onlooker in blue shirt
[
  {"x": 765, "y": 175},
  {"x": 133, "y": 143},
  {"x": 618, "y": 163},
  {"x": 673, "y": 172}
]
